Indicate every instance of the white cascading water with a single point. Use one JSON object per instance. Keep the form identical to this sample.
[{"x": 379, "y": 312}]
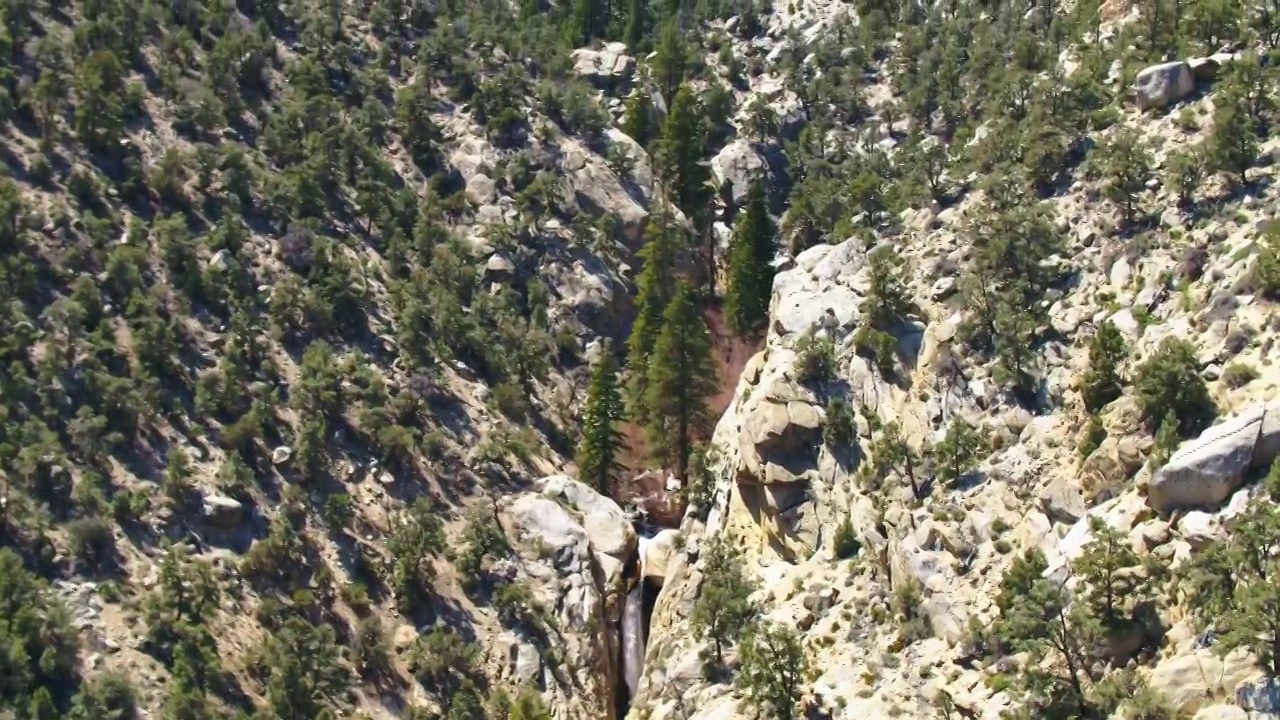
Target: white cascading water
[{"x": 633, "y": 638}]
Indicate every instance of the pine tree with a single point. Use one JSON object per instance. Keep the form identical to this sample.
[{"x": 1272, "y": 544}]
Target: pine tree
[
  {"x": 774, "y": 670},
  {"x": 671, "y": 60},
  {"x": 959, "y": 450},
  {"x": 680, "y": 378},
  {"x": 589, "y": 19},
  {"x": 653, "y": 293},
  {"x": 680, "y": 154},
  {"x": 637, "y": 119},
  {"x": 636, "y": 22},
  {"x": 1126, "y": 166},
  {"x": 1102, "y": 382},
  {"x": 601, "y": 440},
  {"x": 751, "y": 266},
  {"x": 722, "y": 609},
  {"x": 1233, "y": 142}
]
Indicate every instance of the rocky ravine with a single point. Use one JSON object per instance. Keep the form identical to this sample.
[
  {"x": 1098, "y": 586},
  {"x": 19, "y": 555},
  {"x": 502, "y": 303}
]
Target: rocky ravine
[{"x": 780, "y": 493}]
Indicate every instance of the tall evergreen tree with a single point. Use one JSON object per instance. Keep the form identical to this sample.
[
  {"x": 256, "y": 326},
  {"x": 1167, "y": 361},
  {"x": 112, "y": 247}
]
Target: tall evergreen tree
[
  {"x": 1233, "y": 142},
  {"x": 684, "y": 139},
  {"x": 637, "y": 119},
  {"x": 601, "y": 440},
  {"x": 637, "y": 18},
  {"x": 671, "y": 60},
  {"x": 751, "y": 266},
  {"x": 653, "y": 293},
  {"x": 680, "y": 378},
  {"x": 590, "y": 18},
  {"x": 723, "y": 609}
]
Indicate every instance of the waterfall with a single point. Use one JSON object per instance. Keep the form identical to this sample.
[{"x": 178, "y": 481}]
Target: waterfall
[{"x": 633, "y": 637}]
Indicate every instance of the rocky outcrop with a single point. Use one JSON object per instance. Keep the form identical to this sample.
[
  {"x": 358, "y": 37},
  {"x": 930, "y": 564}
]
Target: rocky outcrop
[
  {"x": 656, "y": 555},
  {"x": 740, "y": 164},
  {"x": 1205, "y": 471},
  {"x": 606, "y": 526},
  {"x": 572, "y": 543},
  {"x": 1189, "y": 683},
  {"x": 222, "y": 511},
  {"x": 1162, "y": 85},
  {"x": 609, "y": 69}
]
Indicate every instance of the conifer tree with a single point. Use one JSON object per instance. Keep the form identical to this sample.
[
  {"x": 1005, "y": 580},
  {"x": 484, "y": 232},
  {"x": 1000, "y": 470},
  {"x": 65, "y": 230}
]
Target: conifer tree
[
  {"x": 751, "y": 266},
  {"x": 775, "y": 668},
  {"x": 589, "y": 20},
  {"x": 1102, "y": 382},
  {"x": 680, "y": 378},
  {"x": 723, "y": 608},
  {"x": 653, "y": 293},
  {"x": 636, "y": 21},
  {"x": 680, "y": 154},
  {"x": 601, "y": 440},
  {"x": 671, "y": 59},
  {"x": 637, "y": 118},
  {"x": 1233, "y": 143},
  {"x": 1126, "y": 166}
]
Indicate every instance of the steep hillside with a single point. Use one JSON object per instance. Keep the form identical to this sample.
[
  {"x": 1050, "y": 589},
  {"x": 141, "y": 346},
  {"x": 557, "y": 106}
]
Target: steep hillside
[{"x": 658, "y": 360}]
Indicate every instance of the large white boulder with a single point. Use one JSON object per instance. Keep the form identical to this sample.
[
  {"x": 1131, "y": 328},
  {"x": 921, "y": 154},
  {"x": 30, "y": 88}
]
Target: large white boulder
[
  {"x": 1205, "y": 471},
  {"x": 609, "y": 68},
  {"x": 1161, "y": 85},
  {"x": 606, "y": 526}
]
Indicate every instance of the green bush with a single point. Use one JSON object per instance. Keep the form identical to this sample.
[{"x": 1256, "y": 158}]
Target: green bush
[
  {"x": 1169, "y": 382},
  {"x": 846, "y": 540},
  {"x": 817, "y": 360},
  {"x": 1092, "y": 437},
  {"x": 1237, "y": 375}
]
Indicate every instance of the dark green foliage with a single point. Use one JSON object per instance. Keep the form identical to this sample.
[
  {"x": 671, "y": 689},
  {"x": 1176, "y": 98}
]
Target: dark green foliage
[
  {"x": 959, "y": 451},
  {"x": 817, "y": 360},
  {"x": 105, "y": 697},
  {"x": 1233, "y": 143},
  {"x": 885, "y": 307},
  {"x": 774, "y": 670},
  {"x": 637, "y": 121},
  {"x": 1115, "y": 585},
  {"x": 1268, "y": 268},
  {"x": 40, "y": 661},
  {"x": 442, "y": 661},
  {"x": 1013, "y": 269},
  {"x": 681, "y": 154},
  {"x": 1036, "y": 617},
  {"x": 1169, "y": 382},
  {"x": 723, "y": 609},
  {"x": 413, "y": 543},
  {"x": 913, "y": 624},
  {"x": 1125, "y": 164},
  {"x": 482, "y": 541},
  {"x": 1092, "y": 437},
  {"x": 601, "y": 443},
  {"x": 301, "y": 671},
  {"x": 750, "y": 268},
  {"x": 680, "y": 377},
  {"x": 1234, "y": 587},
  {"x": 1102, "y": 381},
  {"x": 654, "y": 286},
  {"x": 846, "y": 543},
  {"x": 840, "y": 431}
]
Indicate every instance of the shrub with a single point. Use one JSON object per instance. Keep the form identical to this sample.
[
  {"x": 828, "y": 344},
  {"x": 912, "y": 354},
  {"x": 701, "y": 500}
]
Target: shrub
[
  {"x": 1268, "y": 268},
  {"x": 1102, "y": 382},
  {"x": 92, "y": 541},
  {"x": 1169, "y": 382},
  {"x": 1237, "y": 375},
  {"x": 1092, "y": 437},
  {"x": 817, "y": 360},
  {"x": 839, "y": 432},
  {"x": 846, "y": 540}
]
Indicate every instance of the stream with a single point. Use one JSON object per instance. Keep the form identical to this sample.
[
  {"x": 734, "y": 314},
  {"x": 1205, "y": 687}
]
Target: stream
[{"x": 633, "y": 638}]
